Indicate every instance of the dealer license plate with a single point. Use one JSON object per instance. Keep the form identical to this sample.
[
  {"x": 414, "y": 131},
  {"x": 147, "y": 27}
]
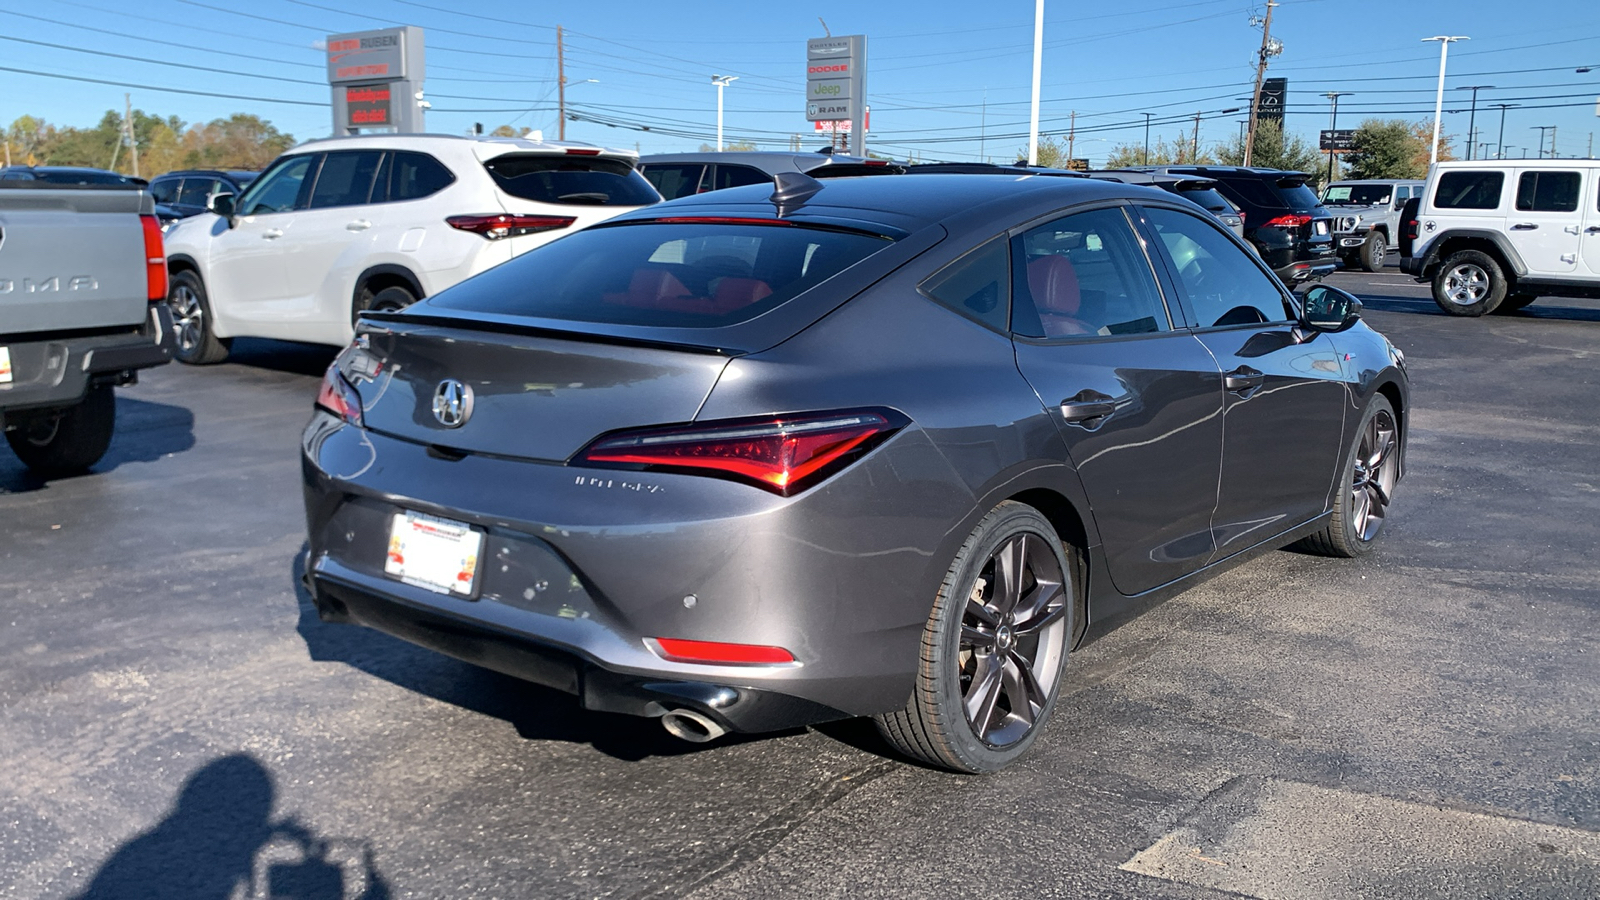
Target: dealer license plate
[
  {"x": 5, "y": 365},
  {"x": 434, "y": 553}
]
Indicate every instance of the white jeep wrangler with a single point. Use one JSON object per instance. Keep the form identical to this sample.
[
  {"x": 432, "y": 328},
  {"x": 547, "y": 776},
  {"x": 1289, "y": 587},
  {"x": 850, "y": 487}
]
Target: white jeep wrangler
[{"x": 1498, "y": 235}]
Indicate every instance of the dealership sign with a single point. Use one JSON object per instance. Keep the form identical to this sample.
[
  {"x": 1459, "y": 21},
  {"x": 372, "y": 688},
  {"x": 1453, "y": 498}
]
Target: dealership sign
[
  {"x": 835, "y": 77},
  {"x": 842, "y": 126},
  {"x": 1341, "y": 141},
  {"x": 376, "y": 79},
  {"x": 1274, "y": 92},
  {"x": 367, "y": 56}
]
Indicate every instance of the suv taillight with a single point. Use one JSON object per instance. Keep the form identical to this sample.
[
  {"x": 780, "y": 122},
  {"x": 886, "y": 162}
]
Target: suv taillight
[
  {"x": 494, "y": 227},
  {"x": 1293, "y": 220},
  {"x": 782, "y": 454},
  {"x": 338, "y": 396},
  {"x": 155, "y": 260}
]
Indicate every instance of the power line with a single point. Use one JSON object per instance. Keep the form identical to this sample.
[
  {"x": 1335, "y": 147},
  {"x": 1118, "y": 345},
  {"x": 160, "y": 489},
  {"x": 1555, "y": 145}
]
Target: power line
[
  {"x": 164, "y": 90},
  {"x": 159, "y": 62}
]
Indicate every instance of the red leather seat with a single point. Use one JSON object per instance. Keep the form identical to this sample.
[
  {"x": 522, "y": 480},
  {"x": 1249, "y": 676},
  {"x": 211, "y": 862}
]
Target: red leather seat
[
  {"x": 651, "y": 289},
  {"x": 1053, "y": 282},
  {"x": 736, "y": 293}
]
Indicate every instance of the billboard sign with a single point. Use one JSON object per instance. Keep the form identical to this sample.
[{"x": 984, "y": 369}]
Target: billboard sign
[
  {"x": 367, "y": 56},
  {"x": 369, "y": 105},
  {"x": 376, "y": 80},
  {"x": 842, "y": 126},
  {"x": 1341, "y": 141},
  {"x": 835, "y": 77},
  {"x": 1077, "y": 165},
  {"x": 1274, "y": 92}
]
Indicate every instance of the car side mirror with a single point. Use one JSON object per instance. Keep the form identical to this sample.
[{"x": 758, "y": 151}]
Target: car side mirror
[
  {"x": 1329, "y": 310},
  {"x": 221, "y": 203},
  {"x": 1398, "y": 205}
]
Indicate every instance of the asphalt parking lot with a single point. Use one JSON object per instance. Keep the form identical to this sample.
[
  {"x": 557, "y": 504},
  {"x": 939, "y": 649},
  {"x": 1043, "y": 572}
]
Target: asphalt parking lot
[{"x": 174, "y": 721}]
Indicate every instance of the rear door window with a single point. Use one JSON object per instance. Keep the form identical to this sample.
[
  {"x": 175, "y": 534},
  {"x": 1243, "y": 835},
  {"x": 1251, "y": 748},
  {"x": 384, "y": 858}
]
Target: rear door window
[
  {"x": 165, "y": 190},
  {"x": 571, "y": 180},
  {"x": 413, "y": 176},
  {"x": 1469, "y": 190},
  {"x": 669, "y": 275},
  {"x": 345, "y": 178},
  {"x": 674, "y": 180},
  {"x": 1548, "y": 191},
  {"x": 739, "y": 176},
  {"x": 1084, "y": 275},
  {"x": 195, "y": 191}
]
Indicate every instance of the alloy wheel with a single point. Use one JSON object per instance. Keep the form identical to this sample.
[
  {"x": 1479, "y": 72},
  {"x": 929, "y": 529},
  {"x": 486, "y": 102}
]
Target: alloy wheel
[
  {"x": 188, "y": 317},
  {"x": 1013, "y": 637},
  {"x": 1376, "y": 471},
  {"x": 1466, "y": 284}
]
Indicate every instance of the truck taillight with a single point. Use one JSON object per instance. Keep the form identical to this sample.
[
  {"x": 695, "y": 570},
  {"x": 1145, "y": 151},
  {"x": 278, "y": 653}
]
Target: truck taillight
[
  {"x": 495, "y": 226},
  {"x": 155, "y": 260}
]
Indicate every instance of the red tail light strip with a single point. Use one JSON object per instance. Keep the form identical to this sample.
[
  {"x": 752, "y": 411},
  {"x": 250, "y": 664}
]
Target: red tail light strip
[
  {"x": 338, "y": 397},
  {"x": 1290, "y": 221},
  {"x": 583, "y": 151},
  {"x": 782, "y": 454},
  {"x": 155, "y": 260},
  {"x": 717, "y": 653},
  {"x": 495, "y": 226}
]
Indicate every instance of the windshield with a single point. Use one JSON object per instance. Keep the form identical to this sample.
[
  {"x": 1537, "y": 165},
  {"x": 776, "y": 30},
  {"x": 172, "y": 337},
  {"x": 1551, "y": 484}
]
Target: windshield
[
  {"x": 1358, "y": 194},
  {"x": 571, "y": 180},
  {"x": 691, "y": 275}
]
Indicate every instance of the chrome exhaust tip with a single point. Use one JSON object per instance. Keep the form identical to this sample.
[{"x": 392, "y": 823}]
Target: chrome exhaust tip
[{"x": 688, "y": 725}]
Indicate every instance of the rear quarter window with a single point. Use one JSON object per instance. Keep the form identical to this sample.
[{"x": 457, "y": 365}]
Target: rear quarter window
[
  {"x": 1548, "y": 191},
  {"x": 667, "y": 275},
  {"x": 1469, "y": 190},
  {"x": 571, "y": 180}
]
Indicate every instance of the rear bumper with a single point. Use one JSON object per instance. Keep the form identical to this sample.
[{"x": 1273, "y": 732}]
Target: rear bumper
[{"x": 56, "y": 369}]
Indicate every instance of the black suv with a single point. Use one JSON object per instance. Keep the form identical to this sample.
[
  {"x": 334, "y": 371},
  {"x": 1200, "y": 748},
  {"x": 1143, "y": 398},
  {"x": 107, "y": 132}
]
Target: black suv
[
  {"x": 69, "y": 175},
  {"x": 1283, "y": 219},
  {"x": 182, "y": 194}
]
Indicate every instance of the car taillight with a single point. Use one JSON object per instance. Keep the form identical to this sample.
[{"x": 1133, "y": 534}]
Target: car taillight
[
  {"x": 717, "y": 652},
  {"x": 339, "y": 397},
  {"x": 494, "y": 227},
  {"x": 1289, "y": 221},
  {"x": 583, "y": 151},
  {"x": 155, "y": 260},
  {"x": 1411, "y": 229},
  {"x": 782, "y": 454}
]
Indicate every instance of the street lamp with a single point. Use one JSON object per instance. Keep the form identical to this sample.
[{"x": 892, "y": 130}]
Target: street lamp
[
  {"x": 1438, "y": 105},
  {"x": 1146, "y": 137},
  {"x": 721, "y": 81},
  {"x": 1500, "y": 145},
  {"x": 1333, "y": 124},
  {"x": 1472, "y": 119}
]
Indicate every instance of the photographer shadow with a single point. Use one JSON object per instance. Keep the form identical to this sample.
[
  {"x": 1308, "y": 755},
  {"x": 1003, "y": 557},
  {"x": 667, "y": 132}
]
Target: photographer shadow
[{"x": 220, "y": 838}]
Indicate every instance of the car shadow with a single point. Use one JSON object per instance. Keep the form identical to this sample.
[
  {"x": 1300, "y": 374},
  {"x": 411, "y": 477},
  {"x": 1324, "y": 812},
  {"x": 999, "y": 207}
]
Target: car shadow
[
  {"x": 537, "y": 713},
  {"x": 146, "y": 431},
  {"x": 219, "y": 840},
  {"x": 1549, "y": 308},
  {"x": 282, "y": 356}
]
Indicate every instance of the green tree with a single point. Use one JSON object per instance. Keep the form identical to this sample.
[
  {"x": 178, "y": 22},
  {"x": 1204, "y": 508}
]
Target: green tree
[
  {"x": 1274, "y": 150},
  {"x": 1052, "y": 153},
  {"x": 241, "y": 141},
  {"x": 28, "y": 140},
  {"x": 505, "y": 131},
  {"x": 1387, "y": 148},
  {"x": 731, "y": 146},
  {"x": 1178, "y": 152}
]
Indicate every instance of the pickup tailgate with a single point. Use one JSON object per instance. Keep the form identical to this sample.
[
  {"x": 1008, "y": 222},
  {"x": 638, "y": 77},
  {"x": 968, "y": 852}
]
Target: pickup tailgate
[{"x": 71, "y": 259}]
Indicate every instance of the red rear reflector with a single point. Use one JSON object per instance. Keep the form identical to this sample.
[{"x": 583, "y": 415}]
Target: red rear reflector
[
  {"x": 497, "y": 226},
  {"x": 1290, "y": 221},
  {"x": 583, "y": 151},
  {"x": 338, "y": 397},
  {"x": 679, "y": 650},
  {"x": 784, "y": 454},
  {"x": 155, "y": 260}
]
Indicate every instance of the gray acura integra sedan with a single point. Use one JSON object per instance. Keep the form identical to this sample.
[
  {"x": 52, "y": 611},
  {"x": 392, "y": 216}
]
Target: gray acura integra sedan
[{"x": 888, "y": 447}]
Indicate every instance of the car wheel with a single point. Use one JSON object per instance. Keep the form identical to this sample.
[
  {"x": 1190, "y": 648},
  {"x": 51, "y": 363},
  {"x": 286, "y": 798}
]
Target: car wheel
[
  {"x": 994, "y": 648},
  {"x": 387, "y": 300},
  {"x": 1514, "y": 302},
  {"x": 1369, "y": 478},
  {"x": 1373, "y": 251},
  {"x": 196, "y": 343},
  {"x": 68, "y": 441},
  {"x": 1469, "y": 283}
]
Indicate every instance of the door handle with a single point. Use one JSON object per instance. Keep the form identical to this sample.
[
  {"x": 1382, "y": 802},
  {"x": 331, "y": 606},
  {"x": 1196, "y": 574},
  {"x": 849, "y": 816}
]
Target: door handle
[
  {"x": 1243, "y": 381},
  {"x": 1524, "y": 226},
  {"x": 272, "y": 234},
  {"x": 1087, "y": 405},
  {"x": 1571, "y": 229},
  {"x": 358, "y": 225},
  {"x": 1592, "y": 229}
]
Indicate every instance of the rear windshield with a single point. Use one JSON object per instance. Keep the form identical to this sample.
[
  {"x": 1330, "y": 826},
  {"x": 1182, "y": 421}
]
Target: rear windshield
[
  {"x": 662, "y": 275},
  {"x": 571, "y": 180},
  {"x": 1296, "y": 195},
  {"x": 1208, "y": 199}
]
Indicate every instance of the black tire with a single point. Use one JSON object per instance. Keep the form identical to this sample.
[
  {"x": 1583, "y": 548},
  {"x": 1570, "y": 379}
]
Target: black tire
[
  {"x": 1374, "y": 250},
  {"x": 1469, "y": 283},
  {"x": 197, "y": 344},
  {"x": 67, "y": 441},
  {"x": 974, "y": 639},
  {"x": 1514, "y": 302},
  {"x": 390, "y": 298},
  {"x": 1366, "y": 485}
]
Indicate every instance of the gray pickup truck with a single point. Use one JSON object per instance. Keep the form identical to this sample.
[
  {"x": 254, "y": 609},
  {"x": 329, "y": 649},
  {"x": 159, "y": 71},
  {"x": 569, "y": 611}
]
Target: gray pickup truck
[{"x": 82, "y": 284}]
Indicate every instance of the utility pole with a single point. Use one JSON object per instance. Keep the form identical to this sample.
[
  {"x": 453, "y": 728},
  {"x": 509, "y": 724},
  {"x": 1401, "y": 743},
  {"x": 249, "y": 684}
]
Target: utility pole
[
  {"x": 983, "y": 127},
  {"x": 1438, "y": 104},
  {"x": 561, "y": 85},
  {"x": 1500, "y": 145},
  {"x": 1195, "y": 159},
  {"x": 1333, "y": 125},
  {"x": 1542, "y": 129},
  {"x": 127, "y": 127},
  {"x": 1072, "y": 134},
  {"x": 1146, "y": 156},
  {"x": 1472, "y": 119},
  {"x": 1261, "y": 73},
  {"x": 1552, "y": 149}
]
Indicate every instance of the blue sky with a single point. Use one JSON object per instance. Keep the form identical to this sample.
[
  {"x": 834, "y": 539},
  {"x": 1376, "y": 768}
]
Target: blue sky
[{"x": 946, "y": 79}]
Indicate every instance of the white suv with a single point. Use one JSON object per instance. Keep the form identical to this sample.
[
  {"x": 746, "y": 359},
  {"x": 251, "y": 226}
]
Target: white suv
[
  {"x": 1498, "y": 235},
  {"x": 346, "y": 224}
]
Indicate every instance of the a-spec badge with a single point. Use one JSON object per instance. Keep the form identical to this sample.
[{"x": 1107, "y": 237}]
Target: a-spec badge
[{"x": 452, "y": 403}]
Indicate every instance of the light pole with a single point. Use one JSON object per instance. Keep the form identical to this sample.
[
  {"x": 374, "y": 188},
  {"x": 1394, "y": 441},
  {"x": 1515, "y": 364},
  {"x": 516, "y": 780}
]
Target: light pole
[
  {"x": 1333, "y": 125},
  {"x": 1038, "y": 63},
  {"x": 1438, "y": 104},
  {"x": 1500, "y": 144},
  {"x": 1146, "y": 156},
  {"x": 1472, "y": 118},
  {"x": 1542, "y": 129},
  {"x": 721, "y": 81}
]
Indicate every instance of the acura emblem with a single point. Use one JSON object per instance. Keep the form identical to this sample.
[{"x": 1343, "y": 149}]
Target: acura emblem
[{"x": 452, "y": 403}]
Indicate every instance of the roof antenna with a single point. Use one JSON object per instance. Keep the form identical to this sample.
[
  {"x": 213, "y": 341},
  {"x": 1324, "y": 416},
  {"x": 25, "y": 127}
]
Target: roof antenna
[
  {"x": 825, "y": 27},
  {"x": 791, "y": 190}
]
